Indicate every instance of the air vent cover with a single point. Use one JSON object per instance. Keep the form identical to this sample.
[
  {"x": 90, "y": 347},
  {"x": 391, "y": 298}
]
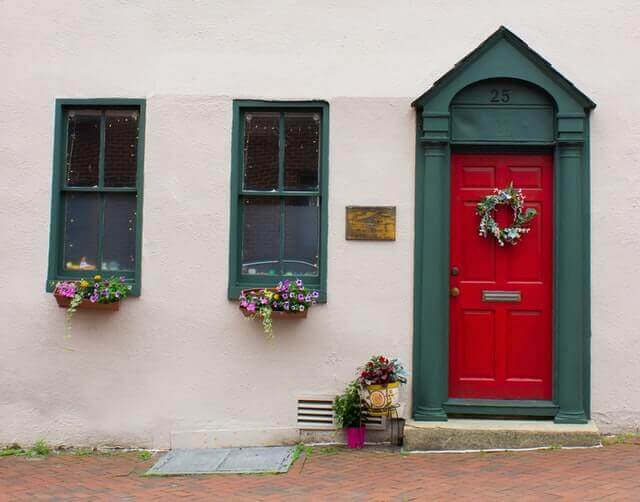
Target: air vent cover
[{"x": 316, "y": 412}]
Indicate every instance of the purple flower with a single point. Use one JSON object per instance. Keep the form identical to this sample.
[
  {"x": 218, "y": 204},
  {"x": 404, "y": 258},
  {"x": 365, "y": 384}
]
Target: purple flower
[
  {"x": 286, "y": 305},
  {"x": 122, "y": 278},
  {"x": 307, "y": 298},
  {"x": 243, "y": 303},
  {"x": 93, "y": 298},
  {"x": 105, "y": 292},
  {"x": 264, "y": 301},
  {"x": 301, "y": 308},
  {"x": 117, "y": 294},
  {"x": 300, "y": 297},
  {"x": 299, "y": 283},
  {"x": 286, "y": 284},
  {"x": 292, "y": 295},
  {"x": 279, "y": 286},
  {"x": 315, "y": 294},
  {"x": 251, "y": 307}
]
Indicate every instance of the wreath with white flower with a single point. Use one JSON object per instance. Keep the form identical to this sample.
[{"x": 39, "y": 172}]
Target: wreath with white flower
[{"x": 504, "y": 197}]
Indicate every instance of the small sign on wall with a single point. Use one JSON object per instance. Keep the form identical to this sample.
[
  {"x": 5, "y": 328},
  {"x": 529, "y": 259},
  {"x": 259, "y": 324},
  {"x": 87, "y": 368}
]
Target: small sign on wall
[{"x": 371, "y": 223}]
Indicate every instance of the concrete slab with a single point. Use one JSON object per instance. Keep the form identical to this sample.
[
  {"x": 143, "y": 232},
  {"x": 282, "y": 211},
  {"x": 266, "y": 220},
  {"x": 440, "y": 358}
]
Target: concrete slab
[
  {"x": 478, "y": 434},
  {"x": 224, "y": 460}
]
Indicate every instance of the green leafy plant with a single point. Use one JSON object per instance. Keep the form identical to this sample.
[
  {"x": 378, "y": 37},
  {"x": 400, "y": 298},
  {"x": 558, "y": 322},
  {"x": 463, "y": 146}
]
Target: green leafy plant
[
  {"x": 40, "y": 449},
  {"x": 144, "y": 455},
  {"x": 299, "y": 450},
  {"x": 348, "y": 407},
  {"x": 10, "y": 450}
]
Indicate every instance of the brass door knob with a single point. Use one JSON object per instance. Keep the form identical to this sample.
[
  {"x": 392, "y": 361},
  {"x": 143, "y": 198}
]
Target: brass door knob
[{"x": 455, "y": 292}]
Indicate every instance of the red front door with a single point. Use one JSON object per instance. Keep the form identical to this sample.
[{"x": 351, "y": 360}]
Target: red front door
[{"x": 500, "y": 349}]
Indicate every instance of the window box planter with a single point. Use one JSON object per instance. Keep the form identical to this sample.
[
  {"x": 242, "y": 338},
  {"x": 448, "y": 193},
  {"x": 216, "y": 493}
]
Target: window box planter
[
  {"x": 276, "y": 314},
  {"x": 63, "y": 302},
  {"x": 288, "y": 300}
]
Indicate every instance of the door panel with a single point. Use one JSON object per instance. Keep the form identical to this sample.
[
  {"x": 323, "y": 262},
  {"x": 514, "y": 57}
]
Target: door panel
[{"x": 501, "y": 350}]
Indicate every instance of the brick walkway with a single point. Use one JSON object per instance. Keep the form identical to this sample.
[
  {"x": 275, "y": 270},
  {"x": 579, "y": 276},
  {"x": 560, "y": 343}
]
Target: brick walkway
[{"x": 612, "y": 472}]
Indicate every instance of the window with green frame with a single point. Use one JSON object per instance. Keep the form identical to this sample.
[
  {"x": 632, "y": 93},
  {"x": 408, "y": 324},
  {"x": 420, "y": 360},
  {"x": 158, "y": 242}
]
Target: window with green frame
[
  {"x": 96, "y": 214},
  {"x": 278, "y": 194}
]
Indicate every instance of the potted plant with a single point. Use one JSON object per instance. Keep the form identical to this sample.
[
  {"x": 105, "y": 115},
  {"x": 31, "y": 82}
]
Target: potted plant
[
  {"x": 380, "y": 379},
  {"x": 348, "y": 411},
  {"x": 288, "y": 300},
  {"x": 92, "y": 293}
]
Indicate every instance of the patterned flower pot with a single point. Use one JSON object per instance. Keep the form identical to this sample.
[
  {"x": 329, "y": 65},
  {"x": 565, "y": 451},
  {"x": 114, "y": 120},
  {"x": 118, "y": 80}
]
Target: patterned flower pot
[
  {"x": 64, "y": 302},
  {"x": 381, "y": 398},
  {"x": 355, "y": 436}
]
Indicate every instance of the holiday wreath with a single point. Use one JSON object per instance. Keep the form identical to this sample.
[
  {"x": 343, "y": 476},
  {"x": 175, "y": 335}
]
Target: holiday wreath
[{"x": 509, "y": 197}]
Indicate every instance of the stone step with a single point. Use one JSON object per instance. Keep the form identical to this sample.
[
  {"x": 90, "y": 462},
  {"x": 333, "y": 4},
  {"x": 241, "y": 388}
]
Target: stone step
[{"x": 478, "y": 434}]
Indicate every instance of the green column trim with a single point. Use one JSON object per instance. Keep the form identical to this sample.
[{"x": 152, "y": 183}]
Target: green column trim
[
  {"x": 503, "y": 56},
  {"x": 432, "y": 352},
  {"x": 571, "y": 283}
]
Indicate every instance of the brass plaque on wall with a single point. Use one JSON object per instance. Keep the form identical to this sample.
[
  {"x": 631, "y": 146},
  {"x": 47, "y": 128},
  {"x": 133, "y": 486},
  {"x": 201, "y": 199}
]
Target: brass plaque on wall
[{"x": 371, "y": 223}]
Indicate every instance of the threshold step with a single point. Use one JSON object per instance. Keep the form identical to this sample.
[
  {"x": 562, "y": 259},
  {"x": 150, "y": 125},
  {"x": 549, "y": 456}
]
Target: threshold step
[{"x": 478, "y": 434}]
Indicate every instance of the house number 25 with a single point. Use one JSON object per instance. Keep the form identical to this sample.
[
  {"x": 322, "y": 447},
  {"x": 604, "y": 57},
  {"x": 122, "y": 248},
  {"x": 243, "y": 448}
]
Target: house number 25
[{"x": 500, "y": 95}]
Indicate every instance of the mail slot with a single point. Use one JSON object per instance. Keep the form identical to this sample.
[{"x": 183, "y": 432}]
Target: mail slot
[{"x": 501, "y": 296}]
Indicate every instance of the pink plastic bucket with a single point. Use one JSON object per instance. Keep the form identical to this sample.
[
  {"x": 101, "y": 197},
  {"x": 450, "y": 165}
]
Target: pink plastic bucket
[{"x": 355, "y": 437}]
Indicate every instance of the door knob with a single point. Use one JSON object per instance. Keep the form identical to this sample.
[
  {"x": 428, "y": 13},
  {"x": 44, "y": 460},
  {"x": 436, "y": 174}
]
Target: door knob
[{"x": 455, "y": 292}]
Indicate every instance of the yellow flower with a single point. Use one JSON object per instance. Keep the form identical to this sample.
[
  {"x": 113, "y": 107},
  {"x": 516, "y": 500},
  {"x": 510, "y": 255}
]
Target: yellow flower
[
  {"x": 97, "y": 277},
  {"x": 276, "y": 296},
  {"x": 84, "y": 283}
]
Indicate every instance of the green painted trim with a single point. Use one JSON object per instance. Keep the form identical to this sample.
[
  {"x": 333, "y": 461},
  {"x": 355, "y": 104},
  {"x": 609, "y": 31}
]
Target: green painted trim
[
  {"x": 571, "y": 293},
  {"x": 54, "y": 271},
  {"x": 542, "y": 65},
  {"x": 236, "y": 282},
  {"x": 500, "y": 408}
]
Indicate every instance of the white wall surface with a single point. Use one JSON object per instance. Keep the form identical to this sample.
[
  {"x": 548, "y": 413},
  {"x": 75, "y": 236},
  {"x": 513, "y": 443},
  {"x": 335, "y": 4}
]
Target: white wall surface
[{"x": 175, "y": 361}]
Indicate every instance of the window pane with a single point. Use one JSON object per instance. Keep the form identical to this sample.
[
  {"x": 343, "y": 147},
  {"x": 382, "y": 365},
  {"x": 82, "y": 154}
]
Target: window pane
[
  {"x": 302, "y": 151},
  {"x": 83, "y": 148},
  {"x": 261, "y": 151},
  {"x": 261, "y": 236},
  {"x": 120, "y": 148},
  {"x": 119, "y": 242},
  {"x": 81, "y": 231},
  {"x": 301, "y": 236}
]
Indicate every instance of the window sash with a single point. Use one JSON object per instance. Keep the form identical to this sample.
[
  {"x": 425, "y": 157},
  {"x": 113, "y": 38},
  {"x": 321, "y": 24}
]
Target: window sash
[
  {"x": 57, "y": 269},
  {"x": 237, "y": 280}
]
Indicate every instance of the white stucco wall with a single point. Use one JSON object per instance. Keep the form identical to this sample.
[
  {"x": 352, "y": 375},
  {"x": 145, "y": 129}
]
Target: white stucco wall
[{"x": 173, "y": 362}]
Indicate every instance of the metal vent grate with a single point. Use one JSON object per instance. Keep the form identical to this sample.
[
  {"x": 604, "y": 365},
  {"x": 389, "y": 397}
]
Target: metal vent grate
[{"x": 316, "y": 412}]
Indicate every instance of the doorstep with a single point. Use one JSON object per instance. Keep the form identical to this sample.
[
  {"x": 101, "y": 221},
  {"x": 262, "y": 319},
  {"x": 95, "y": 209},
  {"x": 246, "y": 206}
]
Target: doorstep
[{"x": 478, "y": 434}]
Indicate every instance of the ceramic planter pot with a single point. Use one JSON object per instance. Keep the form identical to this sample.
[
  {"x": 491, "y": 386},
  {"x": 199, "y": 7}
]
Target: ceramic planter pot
[
  {"x": 355, "y": 436},
  {"x": 381, "y": 398},
  {"x": 64, "y": 302}
]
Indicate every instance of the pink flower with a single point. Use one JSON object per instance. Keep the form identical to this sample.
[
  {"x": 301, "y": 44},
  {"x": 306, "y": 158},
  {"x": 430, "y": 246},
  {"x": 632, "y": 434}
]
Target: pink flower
[{"x": 251, "y": 307}]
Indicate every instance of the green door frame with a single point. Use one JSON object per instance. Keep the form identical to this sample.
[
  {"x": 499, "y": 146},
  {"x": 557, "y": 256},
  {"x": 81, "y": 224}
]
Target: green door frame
[{"x": 503, "y": 55}]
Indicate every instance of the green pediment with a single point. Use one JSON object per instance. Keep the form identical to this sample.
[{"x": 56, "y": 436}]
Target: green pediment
[{"x": 505, "y": 56}]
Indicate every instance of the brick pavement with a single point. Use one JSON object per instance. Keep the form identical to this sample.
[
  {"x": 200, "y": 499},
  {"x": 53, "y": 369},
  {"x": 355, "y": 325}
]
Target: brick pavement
[{"x": 611, "y": 473}]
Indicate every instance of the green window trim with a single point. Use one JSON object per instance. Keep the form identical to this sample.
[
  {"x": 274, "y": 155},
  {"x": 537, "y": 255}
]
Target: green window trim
[
  {"x": 237, "y": 281},
  {"x": 56, "y": 270}
]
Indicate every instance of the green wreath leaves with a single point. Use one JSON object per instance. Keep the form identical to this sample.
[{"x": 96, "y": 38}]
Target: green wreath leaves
[{"x": 508, "y": 197}]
